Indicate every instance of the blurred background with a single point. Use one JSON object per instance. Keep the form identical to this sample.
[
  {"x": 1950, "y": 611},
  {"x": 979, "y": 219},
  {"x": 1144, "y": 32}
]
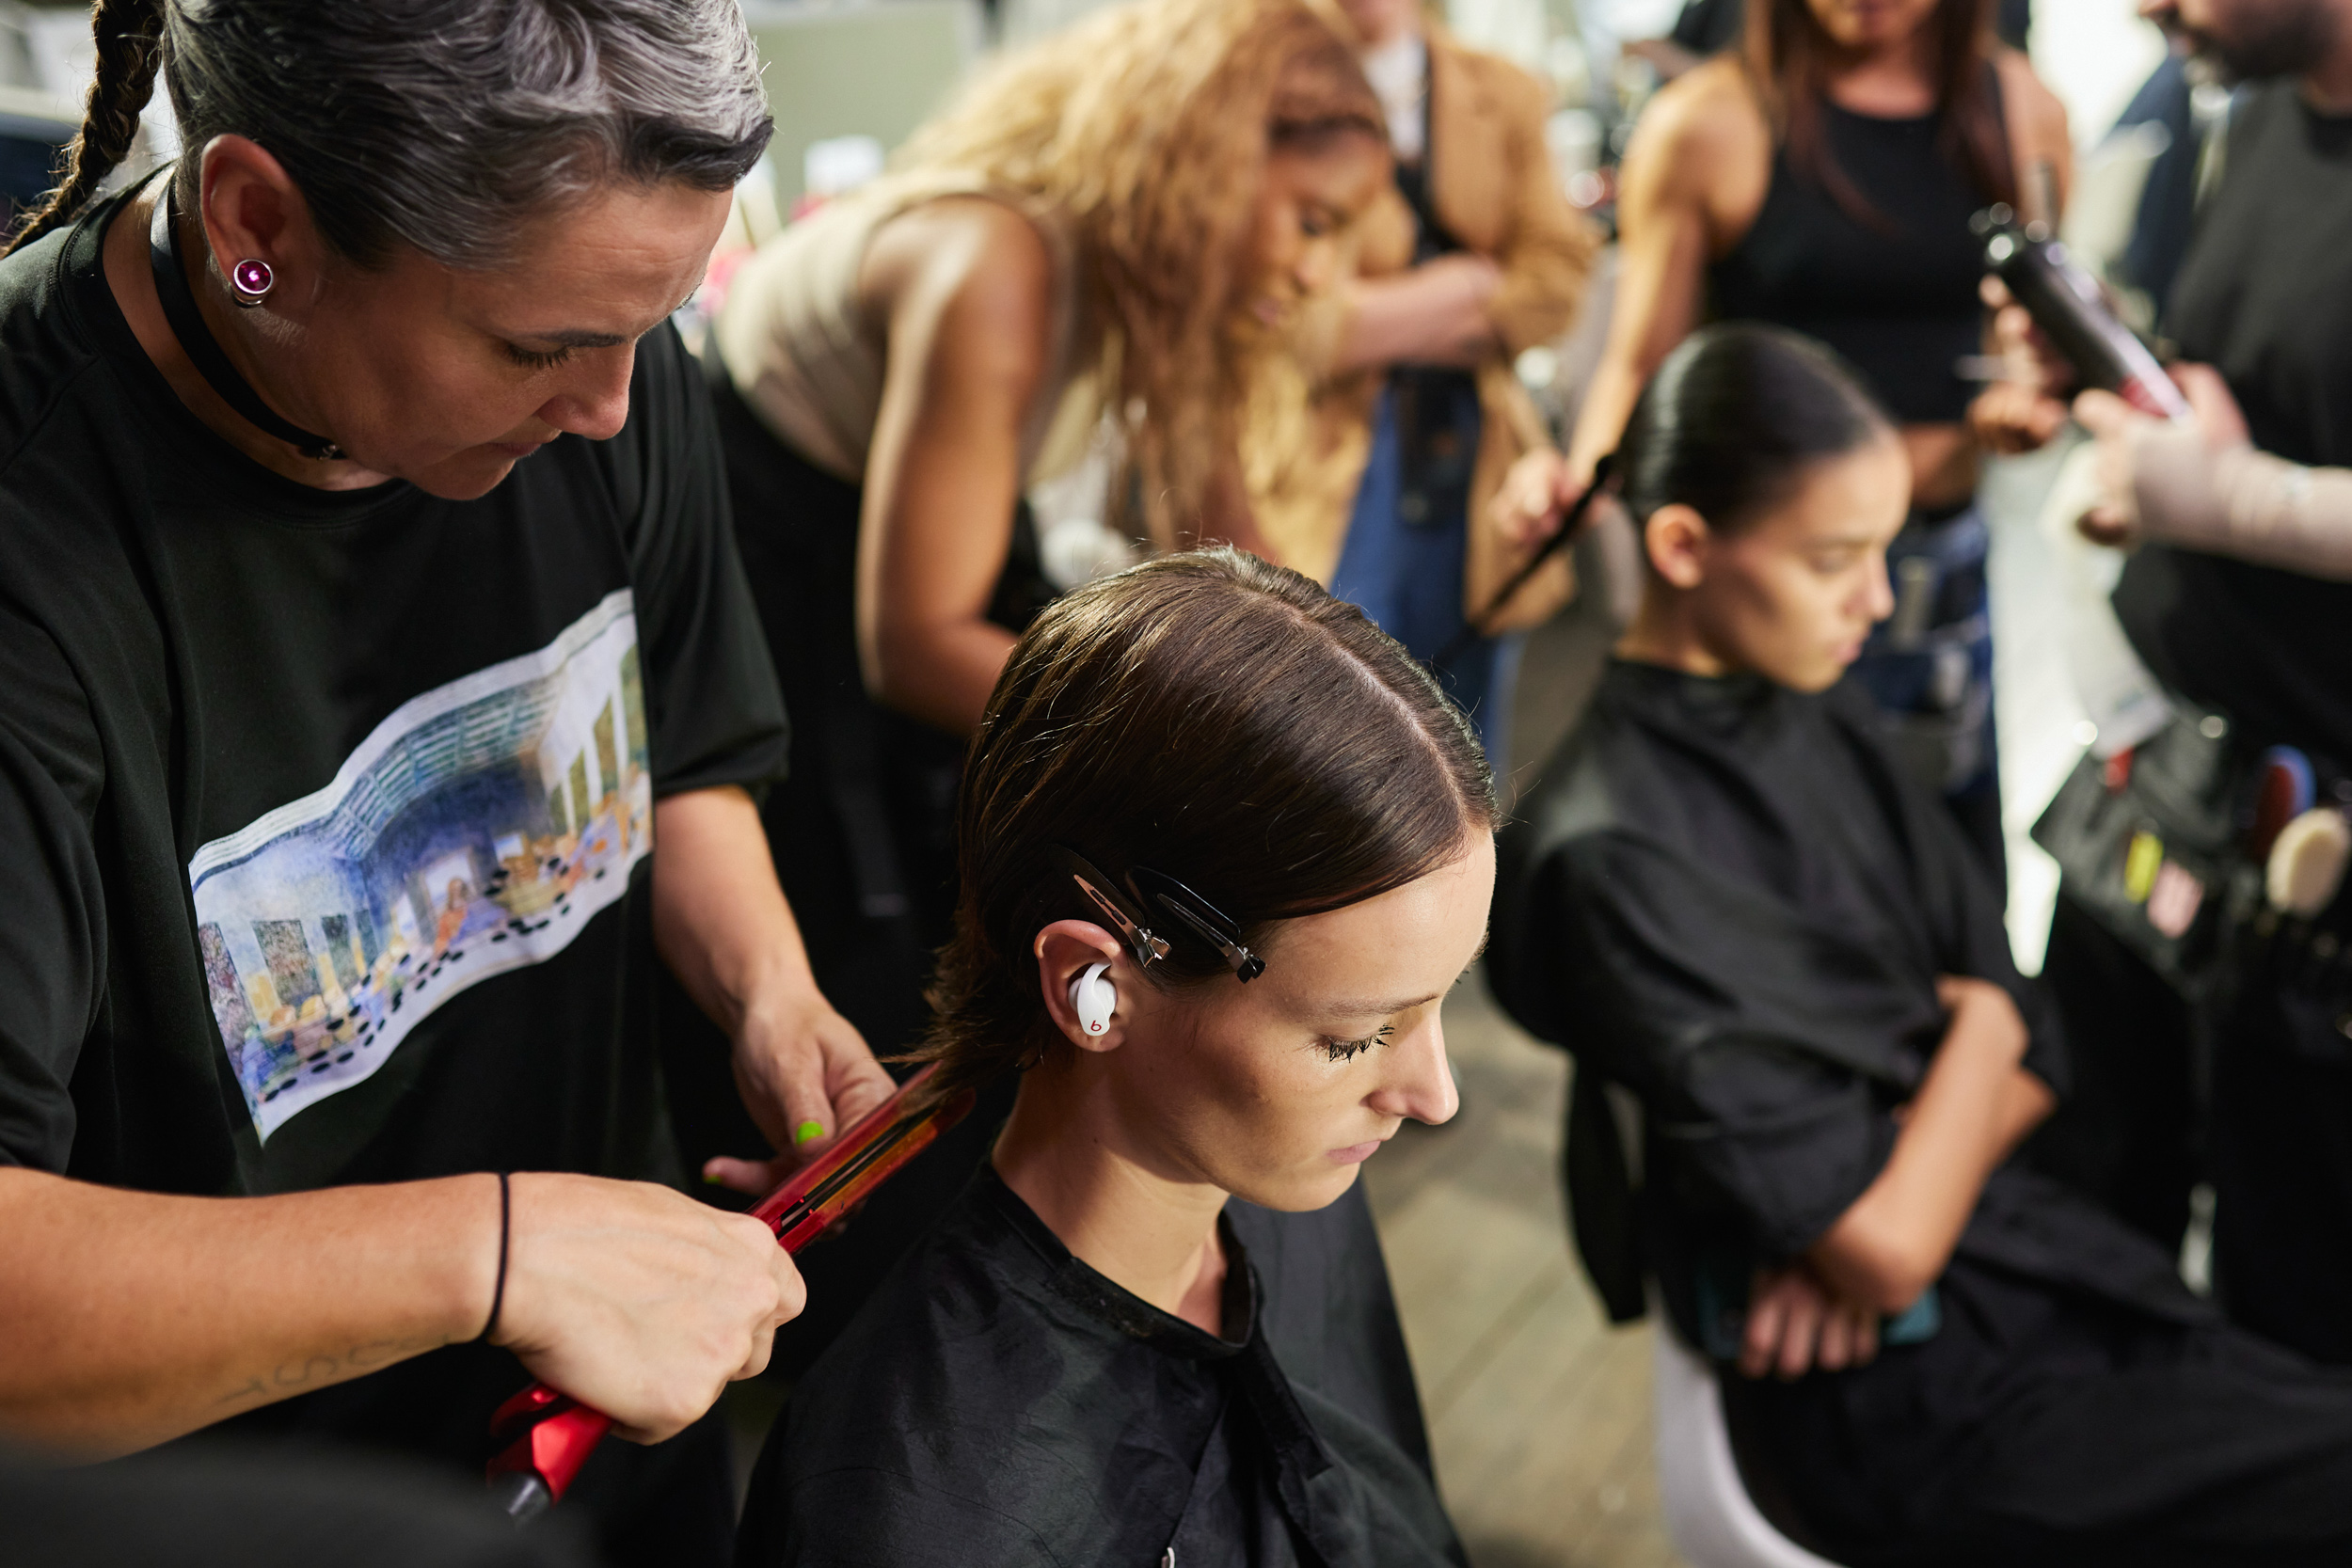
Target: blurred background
[{"x": 1540, "y": 1413}]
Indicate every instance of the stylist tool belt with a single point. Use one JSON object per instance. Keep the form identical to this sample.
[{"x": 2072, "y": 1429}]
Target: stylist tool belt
[{"x": 2188, "y": 844}]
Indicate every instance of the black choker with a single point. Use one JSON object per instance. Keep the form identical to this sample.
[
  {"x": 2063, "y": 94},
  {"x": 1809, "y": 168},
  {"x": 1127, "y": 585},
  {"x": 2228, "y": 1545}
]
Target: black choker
[{"x": 205, "y": 351}]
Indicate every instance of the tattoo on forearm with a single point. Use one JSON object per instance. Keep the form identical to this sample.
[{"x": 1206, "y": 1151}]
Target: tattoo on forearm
[{"x": 303, "y": 1373}]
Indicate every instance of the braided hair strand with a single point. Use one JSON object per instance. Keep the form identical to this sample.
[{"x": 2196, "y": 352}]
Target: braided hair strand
[{"x": 130, "y": 46}]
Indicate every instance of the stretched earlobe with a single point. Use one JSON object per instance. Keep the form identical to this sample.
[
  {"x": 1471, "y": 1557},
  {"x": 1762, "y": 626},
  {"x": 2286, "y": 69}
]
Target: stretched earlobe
[{"x": 251, "y": 281}]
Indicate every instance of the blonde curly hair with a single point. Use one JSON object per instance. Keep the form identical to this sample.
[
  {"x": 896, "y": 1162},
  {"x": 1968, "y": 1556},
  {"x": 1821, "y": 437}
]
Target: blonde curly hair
[{"x": 1147, "y": 126}]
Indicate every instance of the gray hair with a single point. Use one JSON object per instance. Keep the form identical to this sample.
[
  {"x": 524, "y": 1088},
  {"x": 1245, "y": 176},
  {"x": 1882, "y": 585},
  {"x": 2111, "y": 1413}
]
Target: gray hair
[{"x": 442, "y": 125}]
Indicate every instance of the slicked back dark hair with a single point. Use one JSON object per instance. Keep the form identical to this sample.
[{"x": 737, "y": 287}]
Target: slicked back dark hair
[
  {"x": 1733, "y": 417},
  {"x": 1212, "y": 718}
]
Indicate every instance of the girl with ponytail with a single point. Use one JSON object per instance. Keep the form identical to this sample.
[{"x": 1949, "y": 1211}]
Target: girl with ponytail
[
  {"x": 1729, "y": 898},
  {"x": 369, "y": 617}
]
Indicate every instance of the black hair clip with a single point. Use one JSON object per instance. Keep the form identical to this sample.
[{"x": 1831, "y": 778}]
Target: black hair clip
[
  {"x": 1104, "y": 895},
  {"x": 1207, "y": 921},
  {"x": 1147, "y": 887}
]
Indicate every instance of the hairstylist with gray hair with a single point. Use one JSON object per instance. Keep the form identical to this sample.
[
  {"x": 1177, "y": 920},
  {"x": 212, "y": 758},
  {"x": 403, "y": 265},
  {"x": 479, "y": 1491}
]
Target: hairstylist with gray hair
[{"x": 368, "y": 617}]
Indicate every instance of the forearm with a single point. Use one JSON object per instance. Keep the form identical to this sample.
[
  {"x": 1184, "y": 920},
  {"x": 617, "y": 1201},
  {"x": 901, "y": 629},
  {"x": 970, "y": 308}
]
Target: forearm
[
  {"x": 2025, "y": 1104},
  {"x": 1660, "y": 286},
  {"x": 132, "y": 1318},
  {"x": 721, "y": 924},
  {"x": 940, "y": 672},
  {"x": 1608, "y": 403},
  {"x": 1945, "y": 463},
  {"x": 970, "y": 340},
  {"x": 1426, "y": 316},
  {"x": 2242, "y": 502},
  {"x": 1896, "y": 1238},
  {"x": 720, "y": 919}
]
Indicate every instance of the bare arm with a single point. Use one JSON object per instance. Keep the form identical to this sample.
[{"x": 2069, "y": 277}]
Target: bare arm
[
  {"x": 721, "y": 923},
  {"x": 1432, "y": 314},
  {"x": 1693, "y": 174},
  {"x": 1464, "y": 308},
  {"x": 2037, "y": 134},
  {"x": 131, "y": 1318},
  {"x": 2020, "y": 412},
  {"x": 966, "y": 288},
  {"x": 1974, "y": 1106}
]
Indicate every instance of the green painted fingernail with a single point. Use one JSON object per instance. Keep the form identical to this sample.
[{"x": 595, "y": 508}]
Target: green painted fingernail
[
  {"x": 710, "y": 1178},
  {"x": 807, "y": 1131}
]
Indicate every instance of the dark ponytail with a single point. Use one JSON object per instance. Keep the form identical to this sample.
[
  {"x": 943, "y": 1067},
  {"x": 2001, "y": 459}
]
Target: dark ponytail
[
  {"x": 1733, "y": 417},
  {"x": 130, "y": 47}
]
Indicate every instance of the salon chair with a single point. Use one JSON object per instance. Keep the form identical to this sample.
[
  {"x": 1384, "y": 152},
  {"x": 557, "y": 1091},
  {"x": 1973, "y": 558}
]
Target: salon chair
[{"x": 1709, "y": 1515}]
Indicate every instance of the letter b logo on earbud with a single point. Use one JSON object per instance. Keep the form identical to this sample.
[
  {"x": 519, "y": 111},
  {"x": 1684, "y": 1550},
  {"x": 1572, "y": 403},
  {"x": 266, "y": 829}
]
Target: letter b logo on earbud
[{"x": 1093, "y": 998}]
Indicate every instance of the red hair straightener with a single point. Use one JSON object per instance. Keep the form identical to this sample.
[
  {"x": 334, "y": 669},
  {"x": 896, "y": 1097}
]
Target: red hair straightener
[{"x": 548, "y": 1435}]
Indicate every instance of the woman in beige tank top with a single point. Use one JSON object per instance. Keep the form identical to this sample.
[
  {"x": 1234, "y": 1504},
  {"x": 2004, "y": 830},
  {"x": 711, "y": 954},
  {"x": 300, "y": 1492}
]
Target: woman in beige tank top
[
  {"x": 1132, "y": 216},
  {"x": 1121, "y": 213}
]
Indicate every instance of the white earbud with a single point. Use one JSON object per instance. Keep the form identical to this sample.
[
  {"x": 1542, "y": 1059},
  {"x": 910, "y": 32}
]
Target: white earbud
[{"x": 1092, "y": 998}]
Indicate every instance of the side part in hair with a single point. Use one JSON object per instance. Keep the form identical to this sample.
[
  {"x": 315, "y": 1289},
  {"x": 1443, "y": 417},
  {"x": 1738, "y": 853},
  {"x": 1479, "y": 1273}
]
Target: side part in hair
[
  {"x": 128, "y": 34},
  {"x": 1205, "y": 717},
  {"x": 1732, "y": 419}
]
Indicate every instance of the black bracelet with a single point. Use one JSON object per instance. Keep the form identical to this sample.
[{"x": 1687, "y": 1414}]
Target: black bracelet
[{"x": 498, "y": 1292}]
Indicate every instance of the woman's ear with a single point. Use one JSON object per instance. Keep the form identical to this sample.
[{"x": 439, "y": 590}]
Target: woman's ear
[
  {"x": 1677, "y": 540},
  {"x": 252, "y": 208},
  {"x": 1066, "y": 950}
]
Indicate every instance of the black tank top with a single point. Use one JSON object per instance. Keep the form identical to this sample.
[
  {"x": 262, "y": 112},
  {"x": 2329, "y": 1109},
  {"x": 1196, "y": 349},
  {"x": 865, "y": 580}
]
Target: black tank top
[{"x": 1898, "y": 299}]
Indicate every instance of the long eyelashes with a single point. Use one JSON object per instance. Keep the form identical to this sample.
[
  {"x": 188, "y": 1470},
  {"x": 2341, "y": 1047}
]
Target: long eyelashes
[
  {"x": 1345, "y": 1051},
  {"x": 536, "y": 359}
]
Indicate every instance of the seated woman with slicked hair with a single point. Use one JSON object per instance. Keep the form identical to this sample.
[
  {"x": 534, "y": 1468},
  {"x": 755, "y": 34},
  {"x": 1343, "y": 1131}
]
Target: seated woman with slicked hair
[
  {"x": 1727, "y": 897},
  {"x": 1225, "y": 849}
]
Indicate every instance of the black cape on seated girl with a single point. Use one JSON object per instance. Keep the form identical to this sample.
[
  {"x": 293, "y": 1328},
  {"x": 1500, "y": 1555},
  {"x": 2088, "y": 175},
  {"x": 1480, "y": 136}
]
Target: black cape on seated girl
[
  {"x": 1726, "y": 900},
  {"x": 998, "y": 1401}
]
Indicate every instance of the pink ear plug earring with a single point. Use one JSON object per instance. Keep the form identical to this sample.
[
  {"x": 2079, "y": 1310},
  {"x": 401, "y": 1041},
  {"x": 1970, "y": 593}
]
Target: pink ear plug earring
[{"x": 251, "y": 281}]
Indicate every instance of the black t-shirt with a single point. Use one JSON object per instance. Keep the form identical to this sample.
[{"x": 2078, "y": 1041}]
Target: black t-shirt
[
  {"x": 998, "y": 1401},
  {"x": 2264, "y": 295},
  {"x": 325, "y": 817}
]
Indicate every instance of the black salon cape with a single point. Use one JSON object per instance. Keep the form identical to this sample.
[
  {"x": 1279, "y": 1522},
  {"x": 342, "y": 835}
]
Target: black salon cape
[
  {"x": 997, "y": 1401},
  {"x": 1726, "y": 898}
]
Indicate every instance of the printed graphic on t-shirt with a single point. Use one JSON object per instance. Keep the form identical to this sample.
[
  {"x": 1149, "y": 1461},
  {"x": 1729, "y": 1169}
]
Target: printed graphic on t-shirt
[{"x": 477, "y": 829}]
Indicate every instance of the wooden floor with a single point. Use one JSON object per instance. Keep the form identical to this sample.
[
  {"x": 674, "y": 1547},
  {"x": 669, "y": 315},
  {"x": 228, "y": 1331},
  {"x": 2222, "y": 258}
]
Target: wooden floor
[{"x": 1538, "y": 1410}]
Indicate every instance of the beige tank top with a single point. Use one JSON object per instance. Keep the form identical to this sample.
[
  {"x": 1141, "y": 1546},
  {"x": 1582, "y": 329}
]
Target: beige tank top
[{"x": 797, "y": 350}]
